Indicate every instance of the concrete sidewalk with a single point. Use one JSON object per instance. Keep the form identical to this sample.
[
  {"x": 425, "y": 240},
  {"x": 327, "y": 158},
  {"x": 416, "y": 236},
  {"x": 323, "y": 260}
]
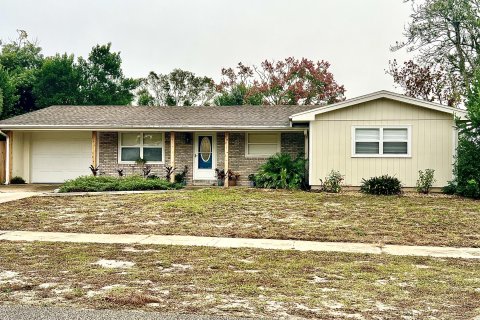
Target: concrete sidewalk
[
  {"x": 271, "y": 244},
  {"x": 25, "y": 312}
]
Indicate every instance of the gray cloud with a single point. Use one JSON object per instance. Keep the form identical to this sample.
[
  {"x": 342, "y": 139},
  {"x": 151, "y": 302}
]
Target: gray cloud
[{"x": 204, "y": 36}]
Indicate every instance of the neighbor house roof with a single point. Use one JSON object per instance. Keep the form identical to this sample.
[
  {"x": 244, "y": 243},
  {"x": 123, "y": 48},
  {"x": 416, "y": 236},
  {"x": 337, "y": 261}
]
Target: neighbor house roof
[
  {"x": 309, "y": 115},
  {"x": 141, "y": 117}
]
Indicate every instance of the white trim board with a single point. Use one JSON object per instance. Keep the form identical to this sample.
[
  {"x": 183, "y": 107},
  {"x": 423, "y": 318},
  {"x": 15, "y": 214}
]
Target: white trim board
[
  {"x": 141, "y": 146},
  {"x": 380, "y": 142},
  {"x": 204, "y": 174}
]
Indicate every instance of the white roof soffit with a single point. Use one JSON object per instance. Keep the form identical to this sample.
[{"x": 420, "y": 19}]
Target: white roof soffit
[{"x": 310, "y": 115}]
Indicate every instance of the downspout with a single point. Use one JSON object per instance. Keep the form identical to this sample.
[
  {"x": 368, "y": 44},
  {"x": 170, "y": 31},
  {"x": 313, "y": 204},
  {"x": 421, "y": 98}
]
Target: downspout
[
  {"x": 306, "y": 137},
  {"x": 7, "y": 157}
]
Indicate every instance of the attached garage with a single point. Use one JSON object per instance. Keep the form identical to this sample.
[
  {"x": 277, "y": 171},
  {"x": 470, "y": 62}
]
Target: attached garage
[
  {"x": 56, "y": 157},
  {"x": 52, "y": 157}
]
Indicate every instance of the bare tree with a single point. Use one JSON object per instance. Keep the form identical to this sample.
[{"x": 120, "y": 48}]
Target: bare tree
[{"x": 446, "y": 34}]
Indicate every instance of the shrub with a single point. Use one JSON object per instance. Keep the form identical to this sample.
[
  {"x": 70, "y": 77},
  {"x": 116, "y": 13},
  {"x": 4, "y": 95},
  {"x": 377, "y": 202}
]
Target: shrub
[
  {"x": 106, "y": 183},
  {"x": 17, "y": 180},
  {"x": 169, "y": 170},
  {"x": 471, "y": 189},
  {"x": 333, "y": 182},
  {"x": 94, "y": 169},
  {"x": 282, "y": 172},
  {"x": 467, "y": 166},
  {"x": 425, "y": 180},
  {"x": 383, "y": 185},
  {"x": 181, "y": 178},
  {"x": 450, "y": 188}
]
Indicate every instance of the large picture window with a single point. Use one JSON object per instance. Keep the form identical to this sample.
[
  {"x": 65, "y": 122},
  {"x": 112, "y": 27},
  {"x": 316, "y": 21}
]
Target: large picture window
[
  {"x": 262, "y": 144},
  {"x": 381, "y": 142},
  {"x": 145, "y": 145}
]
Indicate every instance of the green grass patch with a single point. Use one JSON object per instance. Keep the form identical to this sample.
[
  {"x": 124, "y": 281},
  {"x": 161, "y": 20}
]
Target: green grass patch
[
  {"x": 106, "y": 183},
  {"x": 410, "y": 219}
]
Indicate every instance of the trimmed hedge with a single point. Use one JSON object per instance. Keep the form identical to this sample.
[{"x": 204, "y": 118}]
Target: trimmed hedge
[
  {"x": 383, "y": 185},
  {"x": 106, "y": 183}
]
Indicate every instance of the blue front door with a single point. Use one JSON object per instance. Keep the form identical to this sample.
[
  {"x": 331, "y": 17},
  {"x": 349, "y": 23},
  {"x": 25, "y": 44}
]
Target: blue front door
[{"x": 205, "y": 152}]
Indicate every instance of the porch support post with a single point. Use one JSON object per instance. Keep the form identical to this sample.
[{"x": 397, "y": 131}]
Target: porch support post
[
  {"x": 10, "y": 157},
  {"x": 94, "y": 148},
  {"x": 227, "y": 142},
  {"x": 172, "y": 154}
]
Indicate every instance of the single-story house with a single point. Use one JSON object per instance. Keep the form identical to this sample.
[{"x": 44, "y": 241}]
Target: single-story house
[{"x": 375, "y": 134}]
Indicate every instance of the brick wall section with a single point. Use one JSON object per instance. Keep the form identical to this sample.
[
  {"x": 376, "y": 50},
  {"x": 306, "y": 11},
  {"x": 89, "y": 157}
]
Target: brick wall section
[
  {"x": 108, "y": 157},
  {"x": 183, "y": 152},
  {"x": 291, "y": 143}
]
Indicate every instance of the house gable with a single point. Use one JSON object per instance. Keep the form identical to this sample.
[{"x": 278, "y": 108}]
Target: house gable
[
  {"x": 383, "y": 110},
  {"x": 431, "y": 142},
  {"x": 311, "y": 115}
]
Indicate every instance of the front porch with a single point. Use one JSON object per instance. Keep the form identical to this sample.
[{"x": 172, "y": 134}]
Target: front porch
[{"x": 202, "y": 153}]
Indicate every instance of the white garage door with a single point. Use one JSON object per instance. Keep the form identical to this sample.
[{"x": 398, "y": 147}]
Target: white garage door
[{"x": 59, "y": 156}]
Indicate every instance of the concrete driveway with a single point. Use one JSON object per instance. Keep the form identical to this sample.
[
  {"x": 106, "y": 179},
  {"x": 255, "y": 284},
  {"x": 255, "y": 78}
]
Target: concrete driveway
[{"x": 14, "y": 192}]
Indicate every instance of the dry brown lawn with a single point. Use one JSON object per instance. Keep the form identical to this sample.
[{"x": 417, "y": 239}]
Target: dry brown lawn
[
  {"x": 239, "y": 282},
  {"x": 240, "y": 212}
]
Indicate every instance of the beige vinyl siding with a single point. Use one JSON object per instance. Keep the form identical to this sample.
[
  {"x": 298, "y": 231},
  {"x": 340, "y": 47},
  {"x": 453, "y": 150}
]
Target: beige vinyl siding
[
  {"x": 432, "y": 136},
  {"x": 21, "y": 155}
]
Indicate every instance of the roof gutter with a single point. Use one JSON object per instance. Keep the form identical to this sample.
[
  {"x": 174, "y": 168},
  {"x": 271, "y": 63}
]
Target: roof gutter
[
  {"x": 148, "y": 128},
  {"x": 7, "y": 157}
]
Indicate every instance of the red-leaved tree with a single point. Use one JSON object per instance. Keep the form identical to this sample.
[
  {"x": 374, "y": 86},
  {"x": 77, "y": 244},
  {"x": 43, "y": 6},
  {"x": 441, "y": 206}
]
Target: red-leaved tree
[
  {"x": 427, "y": 82},
  {"x": 286, "y": 82}
]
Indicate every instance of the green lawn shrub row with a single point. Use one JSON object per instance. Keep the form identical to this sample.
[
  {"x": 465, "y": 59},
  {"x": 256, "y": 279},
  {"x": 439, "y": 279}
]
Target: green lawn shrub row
[{"x": 107, "y": 183}]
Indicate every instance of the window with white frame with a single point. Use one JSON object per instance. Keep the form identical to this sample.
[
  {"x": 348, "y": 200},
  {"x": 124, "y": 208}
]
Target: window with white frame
[
  {"x": 381, "y": 141},
  {"x": 262, "y": 144},
  {"x": 135, "y": 145}
]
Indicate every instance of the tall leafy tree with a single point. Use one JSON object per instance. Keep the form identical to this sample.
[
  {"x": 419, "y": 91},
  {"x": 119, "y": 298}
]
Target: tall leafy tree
[
  {"x": 237, "y": 87},
  {"x": 445, "y": 34},
  {"x": 238, "y": 94},
  {"x": 102, "y": 81},
  {"x": 144, "y": 98},
  {"x": 7, "y": 92},
  {"x": 427, "y": 82},
  {"x": 21, "y": 59},
  {"x": 178, "y": 88},
  {"x": 467, "y": 166},
  {"x": 286, "y": 82},
  {"x": 57, "y": 82}
]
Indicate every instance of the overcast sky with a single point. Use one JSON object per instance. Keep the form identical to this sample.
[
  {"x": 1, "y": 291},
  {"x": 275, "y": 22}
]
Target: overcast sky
[{"x": 203, "y": 36}]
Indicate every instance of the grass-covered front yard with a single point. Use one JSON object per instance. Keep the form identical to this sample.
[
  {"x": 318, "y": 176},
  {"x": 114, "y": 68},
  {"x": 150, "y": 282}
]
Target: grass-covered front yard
[
  {"x": 241, "y": 212},
  {"x": 244, "y": 282}
]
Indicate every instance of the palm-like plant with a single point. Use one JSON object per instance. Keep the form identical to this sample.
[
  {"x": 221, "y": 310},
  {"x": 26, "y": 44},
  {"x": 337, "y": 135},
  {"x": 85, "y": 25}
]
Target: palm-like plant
[{"x": 282, "y": 172}]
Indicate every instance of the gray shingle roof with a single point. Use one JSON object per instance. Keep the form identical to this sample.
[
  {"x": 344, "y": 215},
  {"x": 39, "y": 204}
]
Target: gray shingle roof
[{"x": 240, "y": 117}]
